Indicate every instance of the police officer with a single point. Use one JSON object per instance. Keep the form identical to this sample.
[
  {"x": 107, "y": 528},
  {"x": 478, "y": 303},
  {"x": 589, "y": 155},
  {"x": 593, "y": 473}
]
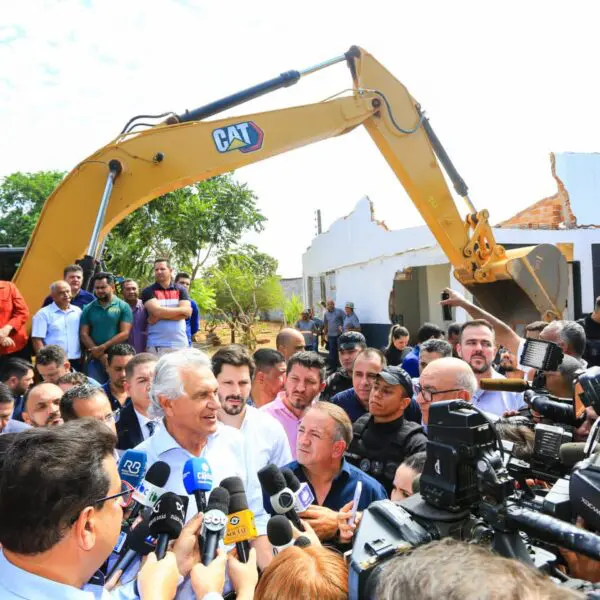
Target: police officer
[
  {"x": 350, "y": 344},
  {"x": 383, "y": 438}
]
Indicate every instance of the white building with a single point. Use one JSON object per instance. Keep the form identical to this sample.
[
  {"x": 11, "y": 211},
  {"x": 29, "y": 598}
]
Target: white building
[{"x": 397, "y": 276}]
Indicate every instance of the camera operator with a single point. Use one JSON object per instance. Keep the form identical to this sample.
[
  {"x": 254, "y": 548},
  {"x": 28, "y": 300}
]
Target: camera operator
[
  {"x": 56, "y": 535},
  {"x": 561, "y": 383},
  {"x": 447, "y": 568},
  {"x": 383, "y": 438}
]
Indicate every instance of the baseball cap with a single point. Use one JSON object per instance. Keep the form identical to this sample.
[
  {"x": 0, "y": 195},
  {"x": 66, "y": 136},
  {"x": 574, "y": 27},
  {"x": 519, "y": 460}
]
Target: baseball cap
[
  {"x": 397, "y": 376},
  {"x": 350, "y": 305},
  {"x": 350, "y": 340}
]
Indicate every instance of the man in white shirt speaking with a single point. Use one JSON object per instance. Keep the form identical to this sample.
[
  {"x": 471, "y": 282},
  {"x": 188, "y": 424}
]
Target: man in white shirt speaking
[
  {"x": 264, "y": 436},
  {"x": 184, "y": 393}
]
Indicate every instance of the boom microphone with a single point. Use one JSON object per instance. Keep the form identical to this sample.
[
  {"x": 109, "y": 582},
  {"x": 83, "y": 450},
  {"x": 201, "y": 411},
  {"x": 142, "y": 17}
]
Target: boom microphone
[
  {"x": 281, "y": 497},
  {"x": 279, "y": 533},
  {"x": 213, "y": 526},
  {"x": 504, "y": 385},
  {"x": 197, "y": 479},
  {"x": 241, "y": 527},
  {"x": 132, "y": 467},
  {"x": 151, "y": 488},
  {"x": 167, "y": 520}
]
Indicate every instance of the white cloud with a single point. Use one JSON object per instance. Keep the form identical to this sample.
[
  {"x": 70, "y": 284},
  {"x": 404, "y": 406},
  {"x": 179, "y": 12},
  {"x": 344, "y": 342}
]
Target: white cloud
[{"x": 504, "y": 84}]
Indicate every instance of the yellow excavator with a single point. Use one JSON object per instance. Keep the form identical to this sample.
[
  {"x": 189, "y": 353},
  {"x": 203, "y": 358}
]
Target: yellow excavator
[{"x": 145, "y": 161}]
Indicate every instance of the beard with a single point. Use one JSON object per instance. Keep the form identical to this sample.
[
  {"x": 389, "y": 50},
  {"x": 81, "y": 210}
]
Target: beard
[
  {"x": 478, "y": 370},
  {"x": 233, "y": 409}
]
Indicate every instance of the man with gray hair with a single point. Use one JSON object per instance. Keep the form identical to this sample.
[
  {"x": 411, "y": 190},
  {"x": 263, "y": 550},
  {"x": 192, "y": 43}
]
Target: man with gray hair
[
  {"x": 58, "y": 324},
  {"x": 184, "y": 393},
  {"x": 569, "y": 335}
]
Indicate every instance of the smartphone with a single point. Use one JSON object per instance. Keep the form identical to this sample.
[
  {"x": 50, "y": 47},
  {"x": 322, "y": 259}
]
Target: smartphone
[
  {"x": 446, "y": 310},
  {"x": 355, "y": 501}
]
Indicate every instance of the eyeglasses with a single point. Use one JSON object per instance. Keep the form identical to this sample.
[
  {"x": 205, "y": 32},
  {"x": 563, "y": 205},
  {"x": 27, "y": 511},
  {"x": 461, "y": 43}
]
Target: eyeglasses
[
  {"x": 113, "y": 416},
  {"x": 125, "y": 495},
  {"x": 428, "y": 394}
]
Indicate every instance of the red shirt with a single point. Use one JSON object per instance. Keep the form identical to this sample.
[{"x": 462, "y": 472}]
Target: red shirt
[{"x": 13, "y": 312}]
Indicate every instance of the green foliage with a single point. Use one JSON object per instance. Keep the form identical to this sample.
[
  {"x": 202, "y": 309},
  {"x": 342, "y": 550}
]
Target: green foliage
[
  {"x": 292, "y": 310},
  {"x": 22, "y": 196},
  {"x": 204, "y": 296}
]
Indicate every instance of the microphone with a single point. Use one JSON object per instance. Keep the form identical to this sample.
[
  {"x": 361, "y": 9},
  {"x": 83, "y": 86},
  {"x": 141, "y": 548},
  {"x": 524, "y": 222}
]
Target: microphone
[
  {"x": 240, "y": 521},
  {"x": 132, "y": 467},
  {"x": 504, "y": 385},
  {"x": 138, "y": 543},
  {"x": 151, "y": 488},
  {"x": 279, "y": 533},
  {"x": 167, "y": 520},
  {"x": 302, "y": 542},
  {"x": 213, "y": 526},
  {"x": 573, "y": 452},
  {"x": 282, "y": 498},
  {"x": 197, "y": 479},
  {"x": 303, "y": 496}
]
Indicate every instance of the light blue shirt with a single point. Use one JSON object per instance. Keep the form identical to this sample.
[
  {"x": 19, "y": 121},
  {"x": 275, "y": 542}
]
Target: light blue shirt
[
  {"x": 14, "y": 426},
  {"x": 497, "y": 403},
  {"x": 351, "y": 322},
  {"x": 59, "y": 327}
]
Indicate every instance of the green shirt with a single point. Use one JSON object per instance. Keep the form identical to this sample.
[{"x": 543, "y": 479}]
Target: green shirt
[{"x": 104, "y": 321}]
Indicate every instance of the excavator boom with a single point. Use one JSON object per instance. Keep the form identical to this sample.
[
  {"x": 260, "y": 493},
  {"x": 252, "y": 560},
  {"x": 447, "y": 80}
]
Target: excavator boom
[{"x": 141, "y": 165}]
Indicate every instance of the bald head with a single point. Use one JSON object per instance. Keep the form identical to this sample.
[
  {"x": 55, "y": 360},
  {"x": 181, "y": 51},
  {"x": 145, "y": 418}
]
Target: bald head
[
  {"x": 445, "y": 379},
  {"x": 42, "y": 405},
  {"x": 289, "y": 341}
]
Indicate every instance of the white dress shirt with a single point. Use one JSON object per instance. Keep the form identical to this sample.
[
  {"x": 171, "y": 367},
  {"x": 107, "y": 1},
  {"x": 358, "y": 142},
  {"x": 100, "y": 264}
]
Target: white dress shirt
[
  {"x": 143, "y": 421},
  {"x": 265, "y": 439},
  {"x": 495, "y": 402},
  {"x": 226, "y": 454},
  {"x": 59, "y": 327}
]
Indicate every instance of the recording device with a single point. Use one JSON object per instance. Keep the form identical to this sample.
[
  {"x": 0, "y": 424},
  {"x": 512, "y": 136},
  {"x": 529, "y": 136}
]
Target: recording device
[
  {"x": 541, "y": 355},
  {"x": 150, "y": 490},
  {"x": 282, "y": 498},
  {"x": 215, "y": 521},
  {"x": 545, "y": 461},
  {"x": 132, "y": 467},
  {"x": 303, "y": 496},
  {"x": 279, "y": 533},
  {"x": 197, "y": 479},
  {"x": 584, "y": 491},
  {"x": 355, "y": 501},
  {"x": 167, "y": 520},
  {"x": 139, "y": 543},
  {"x": 446, "y": 310},
  {"x": 241, "y": 527}
]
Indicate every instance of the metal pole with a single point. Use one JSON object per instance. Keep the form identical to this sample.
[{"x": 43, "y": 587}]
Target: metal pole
[
  {"x": 323, "y": 65},
  {"x": 115, "y": 169}
]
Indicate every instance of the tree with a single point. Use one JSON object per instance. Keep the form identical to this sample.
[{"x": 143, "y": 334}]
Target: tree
[
  {"x": 22, "y": 196},
  {"x": 188, "y": 225},
  {"x": 292, "y": 310},
  {"x": 245, "y": 284}
]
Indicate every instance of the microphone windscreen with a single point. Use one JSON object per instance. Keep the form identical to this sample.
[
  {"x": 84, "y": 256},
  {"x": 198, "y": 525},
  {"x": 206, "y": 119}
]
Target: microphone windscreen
[
  {"x": 571, "y": 453},
  {"x": 291, "y": 480},
  {"x": 504, "y": 385},
  {"x": 218, "y": 500},
  {"x": 197, "y": 475},
  {"x": 168, "y": 516},
  {"x": 137, "y": 539},
  {"x": 237, "y": 502},
  {"x": 234, "y": 485},
  {"x": 132, "y": 467},
  {"x": 279, "y": 530},
  {"x": 302, "y": 542},
  {"x": 158, "y": 474},
  {"x": 271, "y": 479}
]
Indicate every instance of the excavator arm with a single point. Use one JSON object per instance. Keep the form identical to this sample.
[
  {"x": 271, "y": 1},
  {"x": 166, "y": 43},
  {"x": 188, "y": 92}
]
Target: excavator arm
[{"x": 139, "y": 166}]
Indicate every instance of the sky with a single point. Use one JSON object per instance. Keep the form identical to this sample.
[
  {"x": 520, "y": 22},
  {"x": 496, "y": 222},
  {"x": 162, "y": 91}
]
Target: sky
[{"x": 503, "y": 83}]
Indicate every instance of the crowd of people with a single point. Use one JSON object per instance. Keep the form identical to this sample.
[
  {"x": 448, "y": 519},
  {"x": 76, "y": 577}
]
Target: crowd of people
[{"x": 111, "y": 375}]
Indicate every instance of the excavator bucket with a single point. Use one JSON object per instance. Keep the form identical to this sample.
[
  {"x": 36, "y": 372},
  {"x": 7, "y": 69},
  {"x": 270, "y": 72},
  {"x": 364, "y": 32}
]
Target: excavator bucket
[{"x": 531, "y": 284}]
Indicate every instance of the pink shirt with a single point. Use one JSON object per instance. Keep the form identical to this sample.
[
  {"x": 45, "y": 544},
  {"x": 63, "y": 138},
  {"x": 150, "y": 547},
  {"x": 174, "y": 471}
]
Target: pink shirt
[{"x": 288, "y": 419}]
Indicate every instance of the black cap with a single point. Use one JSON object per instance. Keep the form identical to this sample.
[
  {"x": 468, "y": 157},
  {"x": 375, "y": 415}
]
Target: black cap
[
  {"x": 350, "y": 340},
  {"x": 397, "y": 376}
]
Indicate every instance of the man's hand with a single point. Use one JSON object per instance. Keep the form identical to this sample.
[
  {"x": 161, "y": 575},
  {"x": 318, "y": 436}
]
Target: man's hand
[
  {"x": 7, "y": 342},
  {"x": 158, "y": 579},
  {"x": 97, "y": 352},
  {"x": 209, "y": 579},
  {"x": 152, "y": 320},
  {"x": 322, "y": 520},
  {"x": 347, "y": 530},
  {"x": 186, "y": 547},
  {"x": 244, "y": 577},
  {"x": 5, "y": 331},
  {"x": 454, "y": 299},
  {"x": 308, "y": 532}
]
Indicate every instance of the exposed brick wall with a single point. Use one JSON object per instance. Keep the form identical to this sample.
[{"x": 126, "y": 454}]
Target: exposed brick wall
[{"x": 553, "y": 212}]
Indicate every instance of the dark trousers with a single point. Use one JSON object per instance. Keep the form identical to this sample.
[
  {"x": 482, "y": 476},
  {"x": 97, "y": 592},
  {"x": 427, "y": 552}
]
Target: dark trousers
[{"x": 333, "y": 359}]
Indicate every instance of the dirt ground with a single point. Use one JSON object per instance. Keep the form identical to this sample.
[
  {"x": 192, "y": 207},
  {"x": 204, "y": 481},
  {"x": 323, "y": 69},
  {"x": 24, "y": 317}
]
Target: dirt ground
[{"x": 266, "y": 332}]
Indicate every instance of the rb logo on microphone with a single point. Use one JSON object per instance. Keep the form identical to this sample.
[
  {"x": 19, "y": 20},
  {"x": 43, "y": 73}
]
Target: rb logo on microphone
[{"x": 132, "y": 467}]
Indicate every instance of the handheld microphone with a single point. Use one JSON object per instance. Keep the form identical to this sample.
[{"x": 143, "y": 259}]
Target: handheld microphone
[
  {"x": 138, "y": 543},
  {"x": 240, "y": 521},
  {"x": 167, "y": 520},
  {"x": 151, "y": 488},
  {"x": 281, "y": 497},
  {"x": 197, "y": 479},
  {"x": 303, "y": 496},
  {"x": 573, "y": 452},
  {"x": 504, "y": 385},
  {"x": 132, "y": 467},
  {"x": 302, "y": 542},
  {"x": 279, "y": 533},
  {"x": 213, "y": 526}
]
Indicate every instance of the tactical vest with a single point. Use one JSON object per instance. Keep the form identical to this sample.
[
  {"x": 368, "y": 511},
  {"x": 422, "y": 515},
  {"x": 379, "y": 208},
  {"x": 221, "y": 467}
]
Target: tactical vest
[{"x": 381, "y": 463}]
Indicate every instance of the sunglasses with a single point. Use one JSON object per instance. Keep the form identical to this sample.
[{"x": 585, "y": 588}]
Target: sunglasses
[{"x": 125, "y": 495}]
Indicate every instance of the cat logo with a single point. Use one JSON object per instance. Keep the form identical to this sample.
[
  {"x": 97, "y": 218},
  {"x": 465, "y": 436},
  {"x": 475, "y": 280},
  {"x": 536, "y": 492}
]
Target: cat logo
[{"x": 245, "y": 137}]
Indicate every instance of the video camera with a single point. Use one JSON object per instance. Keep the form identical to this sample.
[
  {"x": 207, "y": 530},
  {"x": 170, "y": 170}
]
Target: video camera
[{"x": 466, "y": 492}]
